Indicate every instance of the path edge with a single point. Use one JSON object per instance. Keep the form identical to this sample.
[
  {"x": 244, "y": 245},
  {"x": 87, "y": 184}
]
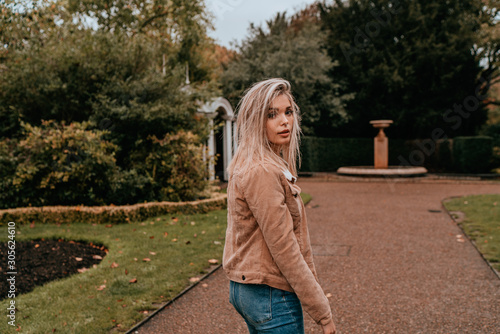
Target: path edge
[
  {"x": 161, "y": 308},
  {"x": 465, "y": 234}
]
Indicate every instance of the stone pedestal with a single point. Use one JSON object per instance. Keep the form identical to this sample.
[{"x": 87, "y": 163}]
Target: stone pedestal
[{"x": 381, "y": 144}]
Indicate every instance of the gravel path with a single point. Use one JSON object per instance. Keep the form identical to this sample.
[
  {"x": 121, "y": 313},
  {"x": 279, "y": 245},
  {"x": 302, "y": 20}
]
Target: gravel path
[{"x": 388, "y": 254}]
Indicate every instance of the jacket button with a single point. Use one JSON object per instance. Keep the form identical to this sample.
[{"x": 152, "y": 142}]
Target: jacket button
[{"x": 243, "y": 277}]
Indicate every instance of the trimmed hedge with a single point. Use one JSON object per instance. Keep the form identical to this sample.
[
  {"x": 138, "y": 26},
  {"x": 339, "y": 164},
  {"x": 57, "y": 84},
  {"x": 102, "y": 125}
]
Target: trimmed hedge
[
  {"x": 462, "y": 154},
  {"x": 109, "y": 214},
  {"x": 472, "y": 154},
  {"x": 328, "y": 154}
]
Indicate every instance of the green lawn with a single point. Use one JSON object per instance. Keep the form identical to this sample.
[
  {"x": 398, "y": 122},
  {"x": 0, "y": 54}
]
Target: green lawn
[
  {"x": 103, "y": 298},
  {"x": 481, "y": 223}
]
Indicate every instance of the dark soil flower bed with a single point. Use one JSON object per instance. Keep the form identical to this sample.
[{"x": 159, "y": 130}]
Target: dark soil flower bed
[{"x": 40, "y": 261}]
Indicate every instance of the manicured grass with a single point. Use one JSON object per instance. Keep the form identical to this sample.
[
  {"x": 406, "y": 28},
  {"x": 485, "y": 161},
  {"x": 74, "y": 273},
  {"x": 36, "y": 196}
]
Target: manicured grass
[
  {"x": 481, "y": 223},
  {"x": 103, "y": 298}
]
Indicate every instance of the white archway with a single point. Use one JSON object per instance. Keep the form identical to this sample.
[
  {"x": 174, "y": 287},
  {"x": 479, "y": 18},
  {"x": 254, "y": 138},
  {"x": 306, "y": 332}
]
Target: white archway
[{"x": 220, "y": 107}]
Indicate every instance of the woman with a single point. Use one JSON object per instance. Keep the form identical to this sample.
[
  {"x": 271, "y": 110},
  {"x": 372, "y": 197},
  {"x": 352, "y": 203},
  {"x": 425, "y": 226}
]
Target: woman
[{"x": 267, "y": 254}]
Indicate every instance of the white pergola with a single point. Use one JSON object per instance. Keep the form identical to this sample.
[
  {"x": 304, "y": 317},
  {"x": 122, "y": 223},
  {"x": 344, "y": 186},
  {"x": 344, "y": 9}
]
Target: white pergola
[{"x": 220, "y": 106}]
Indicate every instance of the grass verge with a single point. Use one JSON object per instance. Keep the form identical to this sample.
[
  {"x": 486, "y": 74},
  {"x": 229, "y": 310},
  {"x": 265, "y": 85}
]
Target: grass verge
[
  {"x": 162, "y": 253},
  {"x": 481, "y": 223}
]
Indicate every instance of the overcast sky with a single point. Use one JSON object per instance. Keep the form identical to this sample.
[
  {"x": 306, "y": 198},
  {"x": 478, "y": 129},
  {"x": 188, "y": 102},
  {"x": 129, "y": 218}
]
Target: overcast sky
[{"x": 233, "y": 17}]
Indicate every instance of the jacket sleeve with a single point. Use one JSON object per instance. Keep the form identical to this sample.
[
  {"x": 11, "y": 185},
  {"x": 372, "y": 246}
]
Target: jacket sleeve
[{"x": 265, "y": 197}]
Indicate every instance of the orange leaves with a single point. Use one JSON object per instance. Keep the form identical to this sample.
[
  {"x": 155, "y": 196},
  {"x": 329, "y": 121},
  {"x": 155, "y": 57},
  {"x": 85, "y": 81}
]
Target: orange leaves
[
  {"x": 114, "y": 265},
  {"x": 213, "y": 261},
  {"x": 133, "y": 280}
]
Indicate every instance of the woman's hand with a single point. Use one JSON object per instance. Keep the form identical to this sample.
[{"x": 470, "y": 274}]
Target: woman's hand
[{"x": 329, "y": 328}]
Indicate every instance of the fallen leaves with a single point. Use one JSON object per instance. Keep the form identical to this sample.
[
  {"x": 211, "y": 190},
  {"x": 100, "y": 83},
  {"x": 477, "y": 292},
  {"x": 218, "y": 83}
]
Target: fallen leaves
[
  {"x": 152, "y": 253},
  {"x": 194, "y": 279},
  {"x": 97, "y": 257},
  {"x": 114, "y": 265},
  {"x": 133, "y": 280},
  {"x": 78, "y": 259},
  {"x": 146, "y": 259},
  {"x": 101, "y": 287},
  {"x": 213, "y": 261},
  {"x": 460, "y": 238}
]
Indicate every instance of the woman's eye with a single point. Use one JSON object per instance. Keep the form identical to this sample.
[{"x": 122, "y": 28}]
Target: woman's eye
[
  {"x": 289, "y": 112},
  {"x": 271, "y": 115}
]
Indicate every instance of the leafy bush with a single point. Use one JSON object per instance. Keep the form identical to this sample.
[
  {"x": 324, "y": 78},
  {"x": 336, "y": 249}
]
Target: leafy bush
[
  {"x": 109, "y": 214},
  {"x": 472, "y": 154},
  {"x": 130, "y": 187},
  {"x": 328, "y": 154},
  {"x": 175, "y": 164},
  {"x": 57, "y": 164}
]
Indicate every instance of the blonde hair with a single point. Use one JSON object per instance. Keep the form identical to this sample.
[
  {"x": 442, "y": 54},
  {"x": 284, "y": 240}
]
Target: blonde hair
[{"x": 253, "y": 144}]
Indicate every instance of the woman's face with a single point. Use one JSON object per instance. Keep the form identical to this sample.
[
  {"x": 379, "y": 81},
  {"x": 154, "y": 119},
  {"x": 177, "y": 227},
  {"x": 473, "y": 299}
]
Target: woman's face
[{"x": 279, "y": 123}]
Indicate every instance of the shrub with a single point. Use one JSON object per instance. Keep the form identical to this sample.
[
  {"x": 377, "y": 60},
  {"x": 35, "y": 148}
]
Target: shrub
[
  {"x": 130, "y": 187},
  {"x": 328, "y": 154},
  {"x": 109, "y": 214},
  {"x": 176, "y": 166},
  {"x": 472, "y": 154},
  {"x": 57, "y": 164}
]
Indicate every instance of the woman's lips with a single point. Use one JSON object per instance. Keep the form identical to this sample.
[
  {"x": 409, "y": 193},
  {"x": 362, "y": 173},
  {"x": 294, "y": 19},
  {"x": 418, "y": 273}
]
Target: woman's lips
[{"x": 284, "y": 133}]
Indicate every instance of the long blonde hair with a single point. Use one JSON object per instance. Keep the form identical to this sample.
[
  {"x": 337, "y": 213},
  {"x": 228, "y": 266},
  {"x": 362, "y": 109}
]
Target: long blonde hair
[{"x": 253, "y": 144}]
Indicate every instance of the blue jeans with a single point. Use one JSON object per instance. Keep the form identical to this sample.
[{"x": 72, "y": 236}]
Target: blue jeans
[{"x": 266, "y": 309}]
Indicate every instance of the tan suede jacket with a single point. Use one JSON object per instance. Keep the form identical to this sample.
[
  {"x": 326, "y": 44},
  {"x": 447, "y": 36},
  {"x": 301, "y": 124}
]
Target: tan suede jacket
[{"x": 267, "y": 239}]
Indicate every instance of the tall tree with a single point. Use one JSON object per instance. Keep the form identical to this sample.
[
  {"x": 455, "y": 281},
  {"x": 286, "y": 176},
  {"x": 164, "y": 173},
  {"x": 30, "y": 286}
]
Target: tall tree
[
  {"x": 488, "y": 48},
  {"x": 120, "y": 64},
  {"x": 291, "y": 48},
  {"x": 410, "y": 61}
]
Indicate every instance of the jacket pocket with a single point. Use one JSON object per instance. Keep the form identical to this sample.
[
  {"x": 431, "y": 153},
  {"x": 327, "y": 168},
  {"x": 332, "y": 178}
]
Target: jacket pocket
[{"x": 294, "y": 201}]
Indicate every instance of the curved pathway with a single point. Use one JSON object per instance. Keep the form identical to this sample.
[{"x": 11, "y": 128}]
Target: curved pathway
[{"x": 388, "y": 255}]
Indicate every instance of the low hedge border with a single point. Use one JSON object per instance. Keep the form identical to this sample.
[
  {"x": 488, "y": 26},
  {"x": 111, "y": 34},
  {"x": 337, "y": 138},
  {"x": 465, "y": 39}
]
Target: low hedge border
[{"x": 109, "y": 214}]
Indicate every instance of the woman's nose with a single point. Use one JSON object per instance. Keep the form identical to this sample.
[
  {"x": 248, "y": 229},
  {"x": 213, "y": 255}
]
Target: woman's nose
[{"x": 284, "y": 119}]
